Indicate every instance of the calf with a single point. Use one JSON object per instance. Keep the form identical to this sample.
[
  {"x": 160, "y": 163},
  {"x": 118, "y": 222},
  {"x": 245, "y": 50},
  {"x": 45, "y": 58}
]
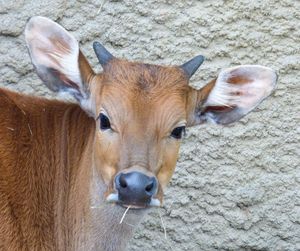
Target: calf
[{"x": 69, "y": 171}]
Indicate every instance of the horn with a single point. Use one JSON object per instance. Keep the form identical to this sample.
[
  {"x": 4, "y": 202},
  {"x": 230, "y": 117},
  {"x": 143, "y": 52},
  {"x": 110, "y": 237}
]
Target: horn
[
  {"x": 103, "y": 55},
  {"x": 191, "y": 66}
]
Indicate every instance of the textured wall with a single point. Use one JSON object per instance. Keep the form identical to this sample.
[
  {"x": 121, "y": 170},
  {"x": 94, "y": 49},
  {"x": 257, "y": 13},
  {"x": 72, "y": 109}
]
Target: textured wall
[{"x": 235, "y": 188}]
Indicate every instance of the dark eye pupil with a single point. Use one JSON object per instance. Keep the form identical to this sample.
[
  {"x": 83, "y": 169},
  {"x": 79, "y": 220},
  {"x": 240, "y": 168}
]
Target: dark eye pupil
[
  {"x": 177, "y": 132},
  {"x": 104, "y": 122}
]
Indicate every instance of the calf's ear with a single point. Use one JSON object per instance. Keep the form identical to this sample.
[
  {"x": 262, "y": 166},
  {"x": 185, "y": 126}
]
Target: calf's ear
[
  {"x": 58, "y": 60},
  {"x": 234, "y": 93}
]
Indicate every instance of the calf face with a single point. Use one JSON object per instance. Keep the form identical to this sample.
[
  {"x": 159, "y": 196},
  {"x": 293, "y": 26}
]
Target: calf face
[{"x": 140, "y": 110}]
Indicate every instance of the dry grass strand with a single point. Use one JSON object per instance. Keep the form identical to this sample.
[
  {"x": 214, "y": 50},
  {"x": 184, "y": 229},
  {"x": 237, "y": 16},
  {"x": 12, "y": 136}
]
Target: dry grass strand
[{"x": 124, "y": 214}]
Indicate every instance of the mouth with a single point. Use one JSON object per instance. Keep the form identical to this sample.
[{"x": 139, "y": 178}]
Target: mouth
[{"x": 114, "y": 198}]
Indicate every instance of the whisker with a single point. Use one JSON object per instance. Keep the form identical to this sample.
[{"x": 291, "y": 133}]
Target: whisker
[
  {"x": 124, "y": 214},
  {"x": 163, "y": 225},
  {"x": 101, "y": 206},
  {"x": 95, "y": 207},
  {"x": 165, "y": 230},
  {"x": 101, "y": 6},
  {"x": 129, "y": 224},
  {"x": 29, "y": 128}
]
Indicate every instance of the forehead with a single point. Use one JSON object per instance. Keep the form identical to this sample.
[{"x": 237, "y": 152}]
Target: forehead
[
  {"x": 150, "y": 95},
  {"x": 138, "y": 83}
]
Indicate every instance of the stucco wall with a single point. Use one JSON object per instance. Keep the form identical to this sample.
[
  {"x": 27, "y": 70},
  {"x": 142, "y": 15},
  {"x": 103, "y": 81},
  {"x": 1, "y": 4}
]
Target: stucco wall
[{"x": 235, "y": 188}]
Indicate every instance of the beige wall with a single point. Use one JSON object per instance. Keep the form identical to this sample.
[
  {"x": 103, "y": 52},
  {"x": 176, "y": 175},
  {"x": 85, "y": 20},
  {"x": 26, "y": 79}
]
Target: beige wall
[{"x": 235, "y": 188}]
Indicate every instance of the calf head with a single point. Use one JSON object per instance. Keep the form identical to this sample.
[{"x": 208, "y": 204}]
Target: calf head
[{"x": 140, "y": 110}]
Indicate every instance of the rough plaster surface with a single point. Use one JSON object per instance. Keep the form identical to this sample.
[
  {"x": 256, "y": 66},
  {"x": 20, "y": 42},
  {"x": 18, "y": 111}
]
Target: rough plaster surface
[{"x": 235, "y": 188}]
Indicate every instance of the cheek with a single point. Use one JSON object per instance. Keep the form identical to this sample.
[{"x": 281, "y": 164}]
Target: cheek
[
  {"x": 106, "y": 155},
  {"x": 168, "y": 158}
]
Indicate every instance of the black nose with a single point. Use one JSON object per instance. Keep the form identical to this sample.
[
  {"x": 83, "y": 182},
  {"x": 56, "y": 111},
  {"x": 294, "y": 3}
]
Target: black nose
[{"x": 135, "y": 188}]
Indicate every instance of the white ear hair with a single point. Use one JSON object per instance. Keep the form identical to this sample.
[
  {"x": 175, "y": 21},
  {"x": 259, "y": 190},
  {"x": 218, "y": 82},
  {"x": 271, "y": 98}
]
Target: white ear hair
[
  {"x": 58, "y": 60},
  {"x": 52, "y": 48},
  {"x": 259, "y": 82},
  {"x": 240, "y": 89}
]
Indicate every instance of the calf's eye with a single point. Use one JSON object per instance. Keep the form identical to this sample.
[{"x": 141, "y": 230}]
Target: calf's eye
[
  {"x": 104, "y": 122},
  {"x": 177, "y": 132}
]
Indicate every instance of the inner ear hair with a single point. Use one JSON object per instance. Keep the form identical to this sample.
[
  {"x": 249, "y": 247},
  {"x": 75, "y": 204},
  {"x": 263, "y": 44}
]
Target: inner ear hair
[{"x": 236, "y": 92}]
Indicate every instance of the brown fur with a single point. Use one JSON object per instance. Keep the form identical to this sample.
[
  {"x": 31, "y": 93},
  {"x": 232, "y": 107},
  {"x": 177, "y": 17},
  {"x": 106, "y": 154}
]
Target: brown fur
[
  {"x": 42, "y": 146},
  {"x": 49, "y": 148},
  {"x": 57, "y": 166},
  {"x": 156, "y": 99},
  {"x": 238, "y": 79}
]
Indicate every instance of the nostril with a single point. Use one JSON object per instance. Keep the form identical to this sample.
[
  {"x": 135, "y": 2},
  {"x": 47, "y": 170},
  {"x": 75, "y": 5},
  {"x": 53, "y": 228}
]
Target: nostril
[
  {"x": 149, "y": 187},
  {"x": 122, "y": 181}
]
